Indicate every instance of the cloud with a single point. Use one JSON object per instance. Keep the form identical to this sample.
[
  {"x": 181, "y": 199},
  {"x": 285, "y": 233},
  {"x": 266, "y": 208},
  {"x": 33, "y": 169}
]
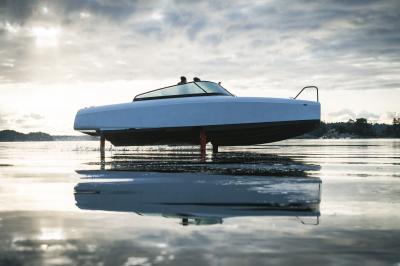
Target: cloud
[
  {"x": 20, "y": 121},
  {"x": 3, "y": 120},
  {"x": 348, "y": 45},
  {"x": 343, "y": 112},
  {"x": 368, "y": 115},
  {"x": 344, "y": 115},
  {"x": 35, "y": 116},
  {"x": 389, "y": 116}
]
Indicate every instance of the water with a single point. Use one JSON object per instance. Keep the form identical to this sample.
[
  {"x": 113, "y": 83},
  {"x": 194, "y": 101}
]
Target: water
[{"x": 294, "y": 202}]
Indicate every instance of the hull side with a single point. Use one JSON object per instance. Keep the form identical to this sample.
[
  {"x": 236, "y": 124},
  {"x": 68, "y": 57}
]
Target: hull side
[
  {"x": 196, "y": 111},
  {"x": 221, "y": 135}
]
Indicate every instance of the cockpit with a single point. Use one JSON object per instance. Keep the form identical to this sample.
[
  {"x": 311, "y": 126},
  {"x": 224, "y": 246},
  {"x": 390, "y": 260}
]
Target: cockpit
[{"x": 190, "y": 89}]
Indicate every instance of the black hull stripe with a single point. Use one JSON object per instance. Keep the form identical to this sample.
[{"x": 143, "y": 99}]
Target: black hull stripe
[{"x": 224, "y": 135}]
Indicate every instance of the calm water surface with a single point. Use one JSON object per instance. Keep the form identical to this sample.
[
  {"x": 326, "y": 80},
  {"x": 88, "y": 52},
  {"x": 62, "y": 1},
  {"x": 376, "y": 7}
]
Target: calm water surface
[{"x": 303, "y": 202}]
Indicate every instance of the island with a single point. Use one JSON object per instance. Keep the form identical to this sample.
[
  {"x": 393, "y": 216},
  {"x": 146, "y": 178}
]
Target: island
[{"x": 12, "y": 135}]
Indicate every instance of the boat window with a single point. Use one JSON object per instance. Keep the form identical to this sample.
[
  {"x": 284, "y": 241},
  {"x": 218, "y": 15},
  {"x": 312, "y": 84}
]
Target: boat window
[
  {"x": 211, "y": 87},
  {"x": 202, "y": 88},
  {"x": 184, "y": 89}
]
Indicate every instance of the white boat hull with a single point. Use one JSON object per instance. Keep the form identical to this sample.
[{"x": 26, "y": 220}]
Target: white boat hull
[{"x": 226, "y": 120}]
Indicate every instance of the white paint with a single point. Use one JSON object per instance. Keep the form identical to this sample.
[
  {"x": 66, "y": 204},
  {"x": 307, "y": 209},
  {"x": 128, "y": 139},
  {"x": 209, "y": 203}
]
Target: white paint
[{"x": 195, "y": 111}]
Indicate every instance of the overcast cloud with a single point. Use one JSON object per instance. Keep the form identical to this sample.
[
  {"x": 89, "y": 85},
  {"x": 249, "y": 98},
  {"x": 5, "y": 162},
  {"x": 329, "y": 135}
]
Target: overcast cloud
[
  {"x": 339, "y": 43},
  {"x": 349, "y": 45}
]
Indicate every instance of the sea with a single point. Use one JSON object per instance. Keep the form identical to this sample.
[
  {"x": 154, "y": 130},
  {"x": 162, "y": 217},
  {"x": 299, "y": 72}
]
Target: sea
[{"x": 294, "y": 202}]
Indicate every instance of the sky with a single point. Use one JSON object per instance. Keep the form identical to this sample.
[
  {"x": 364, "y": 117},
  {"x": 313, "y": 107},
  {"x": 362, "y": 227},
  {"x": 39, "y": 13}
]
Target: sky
[{"x": 59, "y": 56}]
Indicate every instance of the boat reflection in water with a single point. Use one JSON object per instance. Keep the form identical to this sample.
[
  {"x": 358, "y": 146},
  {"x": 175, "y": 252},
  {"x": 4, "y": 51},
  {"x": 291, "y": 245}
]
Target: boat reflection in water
[{"x": 197, "y": 198}]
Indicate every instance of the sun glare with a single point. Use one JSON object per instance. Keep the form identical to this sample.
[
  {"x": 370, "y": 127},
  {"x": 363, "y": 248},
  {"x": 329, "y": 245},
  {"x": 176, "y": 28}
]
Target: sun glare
[
  {"x": 157, "y": 15},
  {"x": 46, "y": 36},
  {"x": 45, "y": 10},
  {"x": 84, "y": 15},
  {"x": 51, "y": 234},
  {"x": 11, "y": 28}
]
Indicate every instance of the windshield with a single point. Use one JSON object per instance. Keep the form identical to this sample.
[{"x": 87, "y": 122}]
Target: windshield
[
  {"x": 211, "y": 87},
  {"x": 202, "y": 88}
]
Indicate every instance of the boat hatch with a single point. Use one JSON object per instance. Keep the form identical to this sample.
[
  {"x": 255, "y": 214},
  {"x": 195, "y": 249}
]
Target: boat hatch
[{"x": 190, "y": 89}]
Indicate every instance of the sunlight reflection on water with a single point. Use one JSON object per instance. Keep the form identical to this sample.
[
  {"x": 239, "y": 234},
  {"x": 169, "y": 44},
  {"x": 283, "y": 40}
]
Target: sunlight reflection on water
[{"x": 59, "y": 205}]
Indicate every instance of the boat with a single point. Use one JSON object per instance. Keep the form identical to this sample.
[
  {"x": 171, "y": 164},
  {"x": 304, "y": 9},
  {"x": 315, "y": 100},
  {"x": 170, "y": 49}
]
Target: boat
[
  {"x": 199, "y": 112},
  {"x": 200, "y": 198}
]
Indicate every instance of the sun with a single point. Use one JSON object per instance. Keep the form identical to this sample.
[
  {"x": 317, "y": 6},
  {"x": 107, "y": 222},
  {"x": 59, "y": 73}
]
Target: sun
[{"x": 46, "y": 36}]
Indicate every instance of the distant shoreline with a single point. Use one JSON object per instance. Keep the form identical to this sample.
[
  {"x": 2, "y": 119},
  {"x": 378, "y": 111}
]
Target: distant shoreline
[
  {"x": 355, "y": 129},
  {"x": 359, "y": 129},
  {"x": 15, "y": 136}
]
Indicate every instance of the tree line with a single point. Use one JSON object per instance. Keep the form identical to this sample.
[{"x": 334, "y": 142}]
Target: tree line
[{"x": 359, "y": 128}]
